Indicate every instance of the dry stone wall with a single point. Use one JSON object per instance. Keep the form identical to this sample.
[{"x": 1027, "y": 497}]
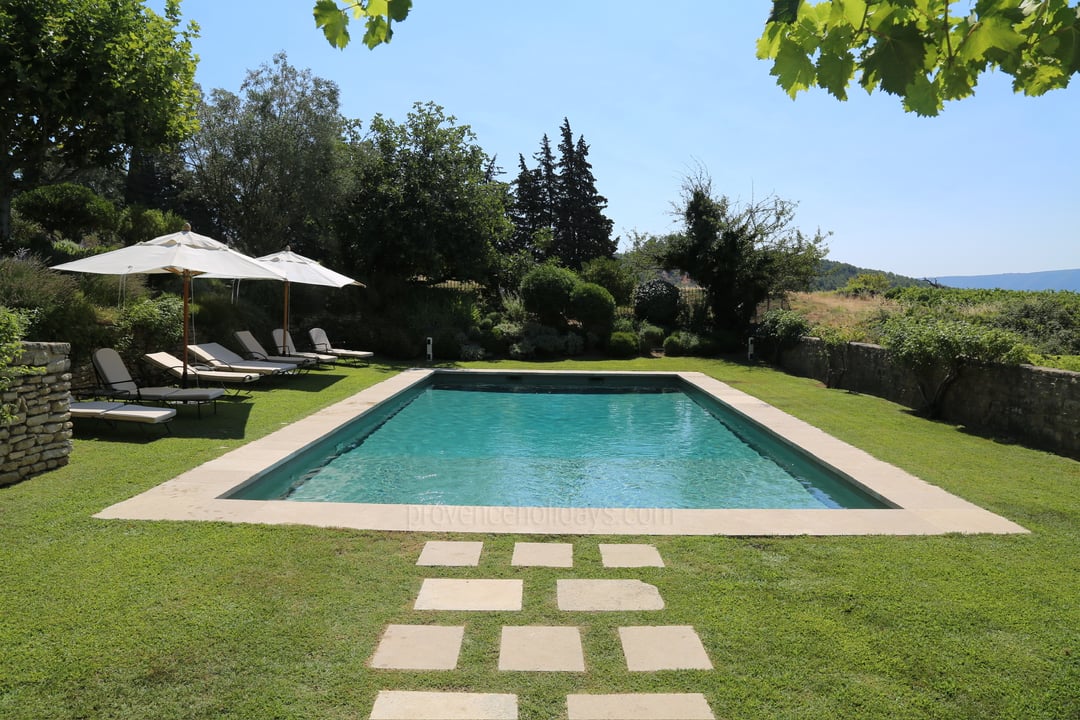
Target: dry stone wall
[
  {"x": 39, "y": 439},
  {"x": 1033, "y": 405}
]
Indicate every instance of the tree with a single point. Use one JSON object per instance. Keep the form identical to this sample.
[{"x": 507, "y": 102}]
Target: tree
[
  {"x": 378, "y": 17},
  {"x": 741, "y": 255},
  {"x": 557, "y": 211},
  {"x": 268, "y": 163},
  {"x": 421, "y": 203},
  {"x": 581, "y": 231},
  {"x": 918, "y": 50},
  {"x": 84, "y": 81}
]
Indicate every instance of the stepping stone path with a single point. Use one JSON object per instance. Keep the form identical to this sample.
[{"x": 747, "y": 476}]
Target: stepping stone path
[{"x": 523, "y": 648}]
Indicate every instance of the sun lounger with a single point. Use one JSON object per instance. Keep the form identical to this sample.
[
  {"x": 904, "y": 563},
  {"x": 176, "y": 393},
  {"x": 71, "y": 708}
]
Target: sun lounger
[
  {"x": 256, "y": 351},
  {"x": 220, "y": 357},
  {"x": 114, "y": 412},
  {"x": 322, "y": 344},
  {"x": 284, "y": 342},
  {"x": 116, "y": 382},
  {"x": 199, "y": 373}
]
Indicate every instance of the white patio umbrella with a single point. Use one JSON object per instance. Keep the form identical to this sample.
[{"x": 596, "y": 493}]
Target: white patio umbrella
[
  {"x": 183, "y": 253},
  {"x": 296, "y": 268}
]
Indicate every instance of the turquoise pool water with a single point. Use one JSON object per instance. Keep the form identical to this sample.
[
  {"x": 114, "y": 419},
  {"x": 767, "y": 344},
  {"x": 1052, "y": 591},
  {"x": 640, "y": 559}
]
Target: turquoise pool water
[{"x": 607, "y": 443}]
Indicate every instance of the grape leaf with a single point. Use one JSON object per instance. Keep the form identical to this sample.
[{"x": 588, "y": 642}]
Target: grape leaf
[
  {"x": 895, "y": 60},
  {"x": 989, "y": 34},
  {"x": 792, "y": 68},
  {"x": 834, "y": 72},
  {"x": 784, "y": 11},
  {"x": 334, "y": 23},
  {"x": 399, "y": 9}
]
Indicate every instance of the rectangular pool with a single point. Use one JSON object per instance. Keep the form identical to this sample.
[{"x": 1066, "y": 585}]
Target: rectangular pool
[
  {"x": 580, "y": 441},
  {"x": 216, "y": 490}
]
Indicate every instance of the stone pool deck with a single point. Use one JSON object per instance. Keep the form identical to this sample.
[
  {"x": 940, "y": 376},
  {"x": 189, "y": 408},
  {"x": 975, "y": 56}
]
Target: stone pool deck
[{"x": 917, "y": 507}]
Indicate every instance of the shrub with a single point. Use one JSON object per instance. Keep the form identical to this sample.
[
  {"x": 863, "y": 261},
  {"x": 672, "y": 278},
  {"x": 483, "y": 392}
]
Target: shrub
[
  {"x": 657, "y": 301},
  {"x": 937, "y": 351},
  {"x": 137, "y": 224},
  {"x": 650, "y": 336},
  {"x": 683, "y": 342},
  {"x": 780, "y": 329},
  {"x": 69, "y": 210},
  {"x": 546, "y": 290},
  {"x": 622, "y": 345},
  {"x": 148, "y": 326},
  {"x": 55, "y": 309},
  {"x": 593, "y": 307},
  {"x": 544, "y": 339},
  {"x": 618, "y": 278},
  {"x": 12, "y": 328}
]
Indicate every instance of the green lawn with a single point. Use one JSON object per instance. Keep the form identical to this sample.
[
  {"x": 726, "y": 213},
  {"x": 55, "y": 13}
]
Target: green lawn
[{"x": 126, "y": 619}]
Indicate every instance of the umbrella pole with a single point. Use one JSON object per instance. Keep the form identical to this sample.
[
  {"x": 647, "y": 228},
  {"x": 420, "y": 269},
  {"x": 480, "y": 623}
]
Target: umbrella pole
[
  {"x": 187, "y": 285},
  {"x": 285, "y": 323}
]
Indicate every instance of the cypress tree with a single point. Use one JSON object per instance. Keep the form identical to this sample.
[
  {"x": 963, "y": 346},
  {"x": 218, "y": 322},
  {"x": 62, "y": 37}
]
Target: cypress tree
[{"x": 581, "y": 231}]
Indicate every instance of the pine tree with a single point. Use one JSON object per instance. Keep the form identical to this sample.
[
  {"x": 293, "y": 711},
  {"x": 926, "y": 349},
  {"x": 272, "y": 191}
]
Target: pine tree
[
  {"x": 528, "y": 212},
  {"x": 581, "y": 231}
]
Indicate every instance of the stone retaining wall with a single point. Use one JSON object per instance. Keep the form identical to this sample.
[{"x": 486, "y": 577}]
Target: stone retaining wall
[
  {"x": 1033, "y": 405},
  {"x": 39, "y": 439}
]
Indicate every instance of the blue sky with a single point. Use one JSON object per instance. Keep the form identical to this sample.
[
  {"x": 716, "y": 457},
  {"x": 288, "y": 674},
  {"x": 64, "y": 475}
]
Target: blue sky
[{"x": 661, "y": 89}]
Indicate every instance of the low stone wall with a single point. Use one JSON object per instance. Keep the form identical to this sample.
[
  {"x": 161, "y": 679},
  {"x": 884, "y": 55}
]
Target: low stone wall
[
  {"x": 39, "y": 439},
  {"x": 1033, "y": 405}
]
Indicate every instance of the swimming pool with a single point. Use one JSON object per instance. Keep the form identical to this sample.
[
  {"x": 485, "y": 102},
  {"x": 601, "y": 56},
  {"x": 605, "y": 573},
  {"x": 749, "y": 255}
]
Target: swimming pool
[
  {"x": 580, "y": 441},
  {"x": 205, "y": 493}
]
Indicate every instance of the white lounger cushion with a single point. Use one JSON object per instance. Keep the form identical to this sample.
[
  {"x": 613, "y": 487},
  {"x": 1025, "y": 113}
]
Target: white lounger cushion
[{"x": 121, "y": 412}]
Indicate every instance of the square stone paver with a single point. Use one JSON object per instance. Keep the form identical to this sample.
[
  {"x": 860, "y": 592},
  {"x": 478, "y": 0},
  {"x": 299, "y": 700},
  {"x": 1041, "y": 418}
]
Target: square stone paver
[
  {"x": 528, "y": 554},
  {"x": 665, "y": 647},
  {"x": 413, "y": 705},
  {"x": 452, "y": 594},
  {"x": 419, "y": 647},
  {"x": 607, "y": 595},
  {"x": 630, "y": 555},
  {"x": 541, "y": 649},
  {"x": 450, "y": 553},
  {"x": 639, "y": 706}
]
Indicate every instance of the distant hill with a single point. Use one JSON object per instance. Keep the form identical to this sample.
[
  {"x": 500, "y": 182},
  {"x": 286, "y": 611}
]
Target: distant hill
[
  {"x": 1048, "y": 280},
  {"x": 834, "y": 275}
]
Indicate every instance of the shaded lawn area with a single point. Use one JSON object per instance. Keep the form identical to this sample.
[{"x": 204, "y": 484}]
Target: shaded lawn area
[{"x": 131, "y": 619}]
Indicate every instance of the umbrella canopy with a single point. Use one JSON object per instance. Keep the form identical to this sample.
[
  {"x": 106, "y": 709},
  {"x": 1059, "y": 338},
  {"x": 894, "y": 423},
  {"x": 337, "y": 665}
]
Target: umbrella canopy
[
  {"x": 296, "y": 268},
  {"x": 183, "y": 253}
]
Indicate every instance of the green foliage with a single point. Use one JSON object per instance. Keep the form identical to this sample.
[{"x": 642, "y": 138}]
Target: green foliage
[
  {"x": 937, "y": 351},
  {"x": 622, "y": 345},
  {"x": 269, "y": 161},
  {"x": 649, "y": 337},
  {"x": 546, "y": 291},
  {"x": 423, "y": 204},
  {"x": 378, "y": 17},
  {"x": 148, "y": 326},
  {"x": 557, "y": 212},
  {"x": 684, "y": 343},
  {"x": 1049, "y": 321},
  {"x": 781, "y": 329},
  {"x": 593, "y": 307},
  {"x": 656, "y": 301},
  {"x": 68, "y": 210},
  {"x": 12, "y": 329},
  {"x": 832, "y": 275},
  {"x": 137, "y": 224},
  {"x": 55, "y": 309},
  {"x": 918, "y": 50},
  {"x": 866, "y": 285},
  {"x": 617, "y": 277},
  {"x": 83, "y": 81},
  {"x": 741, "y": 255}
]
